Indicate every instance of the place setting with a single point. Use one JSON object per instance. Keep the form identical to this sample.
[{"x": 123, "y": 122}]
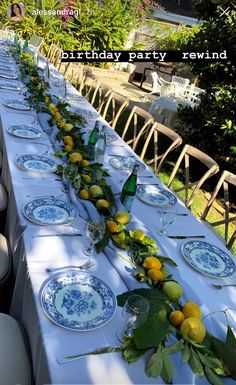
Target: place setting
[
  {"x": 9, "y": 86},
  {"x": 8, "y": 76},
  {"x": 36, "y": 163},
  {"x": 21, "y": 105},
  {"x": 25, "y": 131}
]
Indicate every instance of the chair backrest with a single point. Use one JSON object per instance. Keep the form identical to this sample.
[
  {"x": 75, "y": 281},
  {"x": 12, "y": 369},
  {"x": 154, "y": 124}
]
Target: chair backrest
[
  {"x": 104, "y": 92},
  {"x": 167, "y": 89},
  {"x": 36, "y": 41},
  {"x": 156, "y": 81},
  {"x": 193, "y": 94},
  {"x": 158, "y": 131},
  {"x": 226, "y": 179},
  {"x": 180, "y": 81},
  {"x": 89, "y": 86},
  {"x": 115, "y": 105},
  {"x": 212, "y": 168},
  {"x": 138, "y": 121}
]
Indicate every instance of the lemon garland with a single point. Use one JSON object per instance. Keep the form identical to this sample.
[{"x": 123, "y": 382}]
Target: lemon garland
[{"x": 183, "y": 320}]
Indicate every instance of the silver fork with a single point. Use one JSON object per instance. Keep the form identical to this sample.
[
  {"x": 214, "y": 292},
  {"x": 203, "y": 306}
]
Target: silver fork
[
  {"x": 85, "y": 266},
  {"x": 219, "y": 287}
]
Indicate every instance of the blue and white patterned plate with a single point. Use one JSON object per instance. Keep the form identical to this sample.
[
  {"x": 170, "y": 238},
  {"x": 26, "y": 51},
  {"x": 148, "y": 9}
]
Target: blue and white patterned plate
[
  {"x": 125, "y": 163},
  {"x": 9, "y": 86},
  {"x": 49, "y": 211},
  {"x": 24, "y": 131},
  {"x": 110, "y": 138},
  {"x": 17, "y": 104},
  {"x": 36, "y": 163},
  {"x": 77, "y": 301},
  {"x": 87, "y": 114},
  {"x": 8, "y": 76},
  {"x": 208, "y": 259},
  {"x": 155, "y": 196}
]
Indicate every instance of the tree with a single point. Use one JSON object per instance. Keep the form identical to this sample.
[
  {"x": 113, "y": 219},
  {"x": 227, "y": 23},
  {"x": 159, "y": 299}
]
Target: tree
[{"x": 213, "y": 123}]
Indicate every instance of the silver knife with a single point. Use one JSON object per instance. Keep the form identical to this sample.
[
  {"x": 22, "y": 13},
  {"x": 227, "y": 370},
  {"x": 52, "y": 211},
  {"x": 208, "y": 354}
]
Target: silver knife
[
  {"x": 185, "y": 236},
  {"x": 56, "y": 235}
]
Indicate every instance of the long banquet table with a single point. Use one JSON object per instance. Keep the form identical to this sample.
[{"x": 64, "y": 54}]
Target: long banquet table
[{"x": 31, "y": 256}]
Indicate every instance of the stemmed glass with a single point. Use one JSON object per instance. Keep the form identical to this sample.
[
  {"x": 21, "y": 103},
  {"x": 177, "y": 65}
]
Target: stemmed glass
[
  {"x": 134, "y": 314},
  {"x": 166, "y": 219},
  {"x": 126, "y": 167},
  {"x": 95, "y": 230}
]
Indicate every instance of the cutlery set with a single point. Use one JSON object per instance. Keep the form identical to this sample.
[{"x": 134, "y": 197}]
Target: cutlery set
[{"x": 84, "y": 266}]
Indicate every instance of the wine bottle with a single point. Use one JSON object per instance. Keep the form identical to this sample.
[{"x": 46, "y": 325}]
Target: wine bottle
[
  {"x": 92, "y": 140},
  {"x": 100, "y": 146},
  {"x": 129, "y": 189}
]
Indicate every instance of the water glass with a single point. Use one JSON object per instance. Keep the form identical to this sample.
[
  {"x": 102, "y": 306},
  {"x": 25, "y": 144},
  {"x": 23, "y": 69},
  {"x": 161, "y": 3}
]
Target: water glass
[
  {"x": 94, "y": 231},
  {"x": 166, "y": 219},
  {"x": 134, "y": 314}
]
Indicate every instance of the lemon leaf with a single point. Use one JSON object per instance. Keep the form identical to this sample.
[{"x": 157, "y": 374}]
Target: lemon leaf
[
  {"x": 195, "y": 363},
  {"x": 175, "y": 347},
  {"x": 230, "y": 338},
  {"x": 212, "y": 377},
  {"x": 185, "y": 354},
  {"x": 167, "y": 368},
  {"x": 154, "y": 364}
]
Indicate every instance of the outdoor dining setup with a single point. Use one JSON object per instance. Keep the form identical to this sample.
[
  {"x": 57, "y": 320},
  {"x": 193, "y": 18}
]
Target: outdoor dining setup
[{"x": 113, "y": 280}]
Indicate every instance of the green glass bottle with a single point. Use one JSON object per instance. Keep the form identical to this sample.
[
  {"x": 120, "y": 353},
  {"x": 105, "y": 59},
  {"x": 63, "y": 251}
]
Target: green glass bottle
[
  {"x": 129, "y": 189},
  {"x": 92, "y": 140},
  {"x": 25, "y": 46}
]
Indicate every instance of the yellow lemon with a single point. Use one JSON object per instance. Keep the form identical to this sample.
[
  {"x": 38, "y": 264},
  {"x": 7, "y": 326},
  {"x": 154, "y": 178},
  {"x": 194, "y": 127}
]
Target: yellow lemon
[
  {"x": 95, "y": 191},
  {"x": 138, "y": 235},
  {"x": 47, "y": 100},
  {"x": 85, "y": 162},
  {"x": 122, "y": 217},
  {"x": 173, "y": 290},
  {"x": 84, "y": 194},
  {"x": 68, "y": 127},
  {"x": 57, "y": 116},
  {"x": 61, "y": 124},
  {"x": 51, "y": 105},
  {"x": 176, "y": 317},
  {"x": 155, "y": 274},
  {"x": 86, "y": 178},
  {"x": 151, "y": 263},
  {"x": 194, "y": 329},
  {"x": 69, "y": 147},
  {"x": 191, "y": 309},
  {"x": 75, "y": 157},
  {"x": 112, "y": 227},
  {"x": 102, "y": 203},
  {"x": 120, "y": 239},
  {"x": 68, "y": 139}
]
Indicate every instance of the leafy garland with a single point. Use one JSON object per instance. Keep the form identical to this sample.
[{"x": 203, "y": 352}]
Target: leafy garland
[{"x": 212, "y": 357}]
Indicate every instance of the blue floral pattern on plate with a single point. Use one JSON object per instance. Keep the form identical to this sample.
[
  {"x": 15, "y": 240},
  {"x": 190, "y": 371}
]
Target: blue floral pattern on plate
[
  {"x": 24, "y": 131},
  {"x": 208, "y": 259},
  {"x": 125, "y": 163},
  {"x": 156, "y": 196},
  {"x": 36, "y": 163},
  {"x": 17, "y": 104},
  {"x": 50, "y": 211},
  {"x": 77, "y": 300},
  {"x": 110, "y": 138}
]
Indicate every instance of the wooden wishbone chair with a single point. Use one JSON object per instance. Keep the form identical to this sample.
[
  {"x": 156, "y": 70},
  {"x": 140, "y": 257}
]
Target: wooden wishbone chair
[
  {"x": 156, "y": 131},
  {"x": 138, "y": 120},
  {"x": 89, "y": 86},
  {"x": 226, "y": 179},
  {"x": 211, "y": 165},
  {"x": 115, "y": 105},
  {"x": 104, "y": 92}
]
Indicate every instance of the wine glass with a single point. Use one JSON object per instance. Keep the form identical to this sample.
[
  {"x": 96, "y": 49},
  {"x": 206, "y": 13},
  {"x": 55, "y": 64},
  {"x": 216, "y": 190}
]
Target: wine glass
[
  {"x": 95, "y": 230},
  {"x": 126, "y": 165},
  {"x": 166, "y": 219},
  {"x": 134, "y": 314}
]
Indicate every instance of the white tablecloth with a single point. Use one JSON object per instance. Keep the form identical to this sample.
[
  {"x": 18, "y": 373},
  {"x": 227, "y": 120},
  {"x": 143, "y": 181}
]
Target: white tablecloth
[{"x": 32, "y": 255}]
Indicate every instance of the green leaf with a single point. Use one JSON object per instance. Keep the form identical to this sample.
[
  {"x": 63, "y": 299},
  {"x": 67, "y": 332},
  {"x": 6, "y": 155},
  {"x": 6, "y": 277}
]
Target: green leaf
[
  {"x": 104, "y": 242},
  {"x": 211, "y": 362},
  {"x": 175, "y": 347},
  {"x": 225, "y": 352},
  {"x": 186, "y": 353},
  {"x": 131, "y": 353},
  {"x": 167, "y": 260},
  {"x": 230, "y": 338},
  {"x": 154, "y": 364},
  {"x": 195, "y": 363},
  {"x": 212, "y": 377},
  {"x": 167, "y": 368}
]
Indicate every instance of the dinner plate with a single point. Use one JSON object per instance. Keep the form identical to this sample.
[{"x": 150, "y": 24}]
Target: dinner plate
[
  {"x": 24, "y": 131},
  {"x": 17, "y": 104},
  {"x": 110, "y": 138},
  {"x": 87, "y": 113},
  {"x": 156, "y": 196},
  {"x": 125, "y": 163},
  {"x": 77, "y": 301},
  {"x": 208, "y": 259},
  {"x": 49, "y": 211},
  {"x": 36, "y": 163},
  {"x": 9, "y": 86},
  {"x": 8, "y": 76},
  {"x": 74, "y": 97},
  {"x": 6, "y": 68}
]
